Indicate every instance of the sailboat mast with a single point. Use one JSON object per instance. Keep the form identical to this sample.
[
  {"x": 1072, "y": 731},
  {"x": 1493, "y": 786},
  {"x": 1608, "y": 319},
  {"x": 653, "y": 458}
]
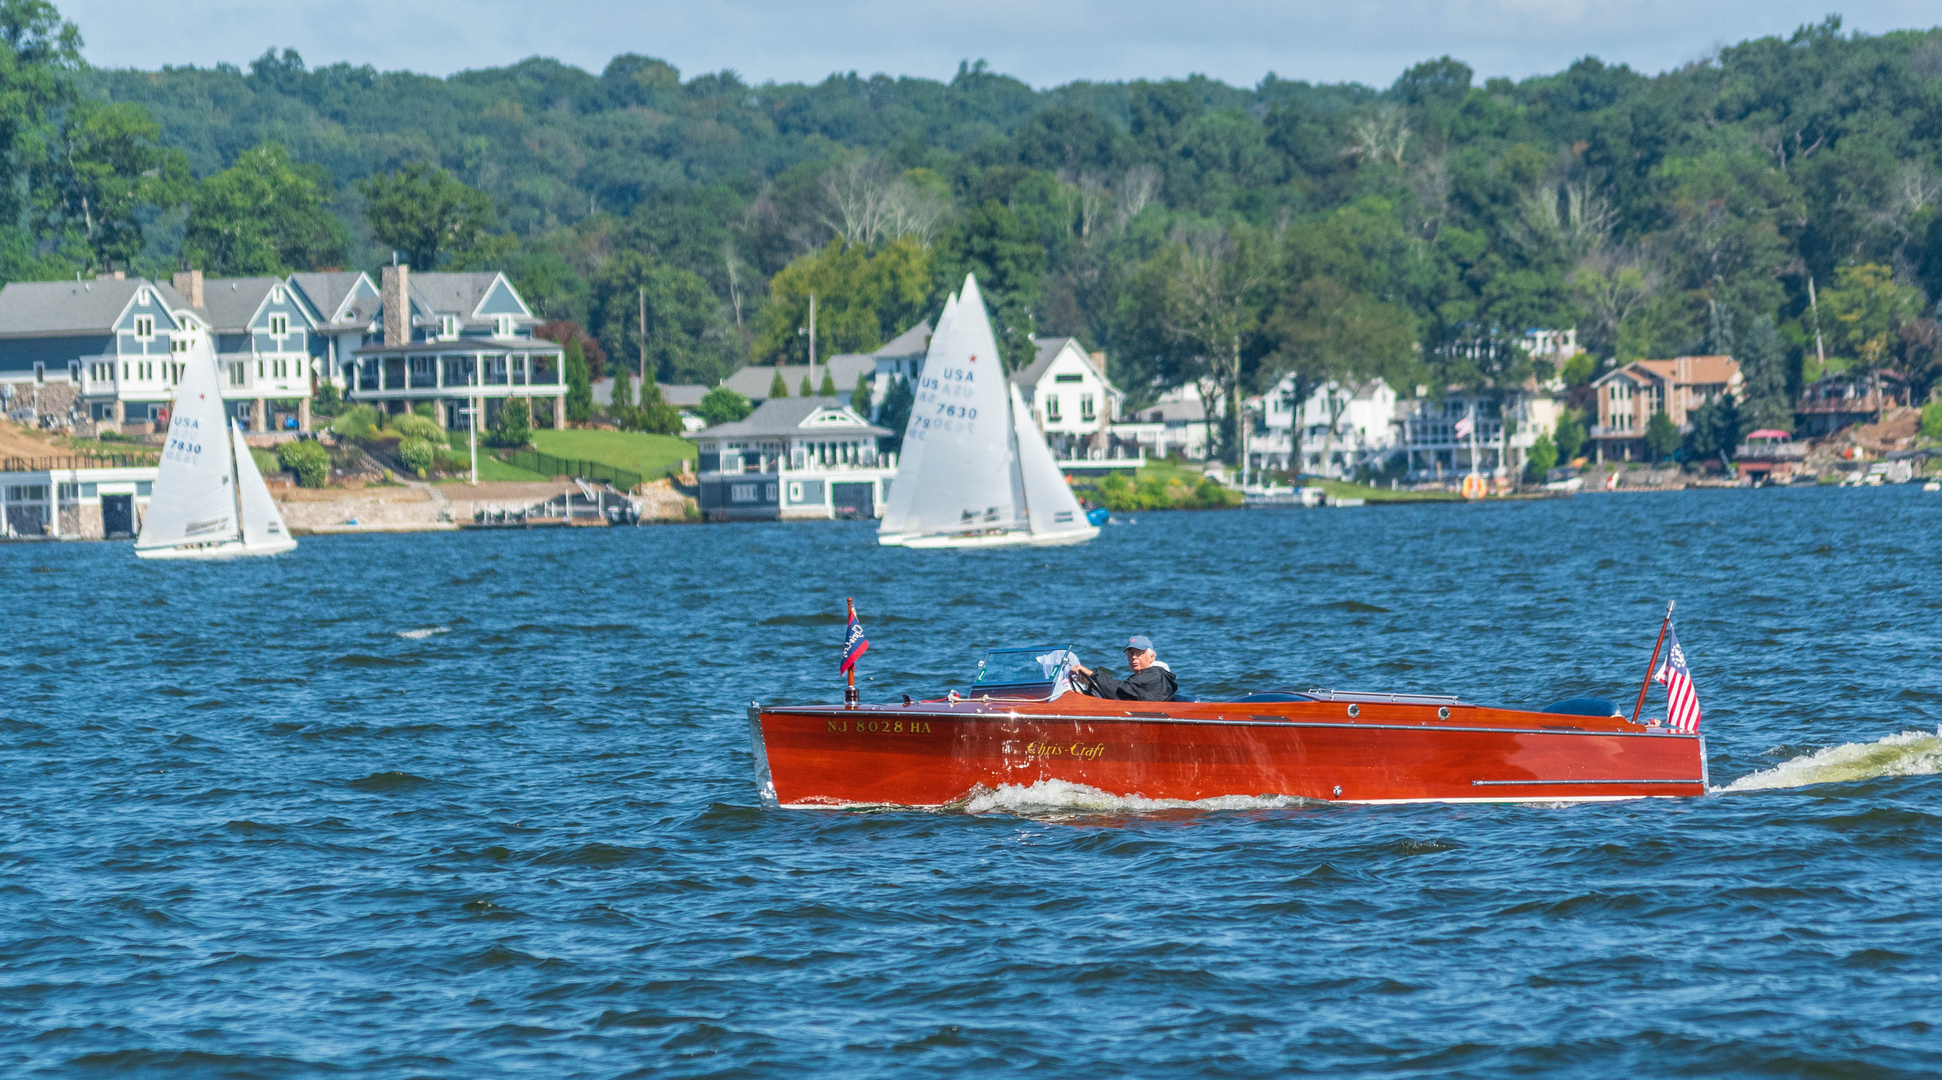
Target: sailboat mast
[{"x": 236, "y": 482}]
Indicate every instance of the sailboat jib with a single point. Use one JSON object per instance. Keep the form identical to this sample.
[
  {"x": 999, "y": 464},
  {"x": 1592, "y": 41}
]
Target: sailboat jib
[
  {"x": 263, "y": 529},
  {"x": 195, "y": 494},
  {"x": 1052, "y": 509}
]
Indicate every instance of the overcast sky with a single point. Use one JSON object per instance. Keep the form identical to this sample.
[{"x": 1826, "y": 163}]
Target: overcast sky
[{"x": 1045, "y": 42}]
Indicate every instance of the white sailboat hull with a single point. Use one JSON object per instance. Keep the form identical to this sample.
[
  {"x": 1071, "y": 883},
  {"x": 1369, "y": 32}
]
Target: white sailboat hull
[
  {"x": 226, "y": 549},
  {"x": 1007, "y": 538}
]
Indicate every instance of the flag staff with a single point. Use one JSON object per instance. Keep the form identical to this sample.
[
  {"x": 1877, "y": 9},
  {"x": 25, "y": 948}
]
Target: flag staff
[
  {"x": 849, "y": 668},
  {"x": 1654, "y": 662}
]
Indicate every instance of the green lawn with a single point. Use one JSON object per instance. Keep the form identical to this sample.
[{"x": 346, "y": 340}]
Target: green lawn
[
  {"x": 265, "y": 461},
  {"x": 490, "y": 468},
  {"x": 653, "y": 456},
  {"x": 1342, "y": 489}
]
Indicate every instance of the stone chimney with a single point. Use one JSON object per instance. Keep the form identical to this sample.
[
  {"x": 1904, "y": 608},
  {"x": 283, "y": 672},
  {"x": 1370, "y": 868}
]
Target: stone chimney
[
  {"x": 397, "y": 305},
  {"x": 189, "y": 284},
  {"x": 1099, "y": 361}
]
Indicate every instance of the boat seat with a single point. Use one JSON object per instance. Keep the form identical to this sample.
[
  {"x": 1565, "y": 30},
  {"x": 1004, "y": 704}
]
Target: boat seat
[{"x": 1584, "y": 706}]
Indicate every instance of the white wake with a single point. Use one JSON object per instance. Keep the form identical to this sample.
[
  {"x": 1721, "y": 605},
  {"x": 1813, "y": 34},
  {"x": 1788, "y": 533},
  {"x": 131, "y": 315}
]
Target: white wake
[
  {"x": 424, "y": 632},
  {"x": 1911, "y": 753},
  {"x": 1060, "y": 796}
]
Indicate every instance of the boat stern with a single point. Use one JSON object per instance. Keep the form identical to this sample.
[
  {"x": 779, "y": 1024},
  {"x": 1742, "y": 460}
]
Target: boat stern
[{"x": 764, "y": 783}]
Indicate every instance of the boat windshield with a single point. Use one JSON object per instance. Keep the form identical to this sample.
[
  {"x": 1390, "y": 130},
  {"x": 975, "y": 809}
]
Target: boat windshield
[{"x": 1037, "y": 671}]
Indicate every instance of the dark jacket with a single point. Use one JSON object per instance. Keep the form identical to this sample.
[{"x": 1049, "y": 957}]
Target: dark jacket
[{"x": 1156, "y": 683}]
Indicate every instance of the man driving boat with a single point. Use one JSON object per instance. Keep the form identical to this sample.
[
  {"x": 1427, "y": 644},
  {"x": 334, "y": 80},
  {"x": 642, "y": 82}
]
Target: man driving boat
[{"x": 1151, "y": 680}]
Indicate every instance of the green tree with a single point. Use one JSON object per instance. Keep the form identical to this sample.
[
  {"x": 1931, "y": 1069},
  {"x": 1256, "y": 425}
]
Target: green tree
[
  {"x": 778, "y": 388},
  {"x": 655, "y": 415},
  {"x": 804, "y": 390},
  {"x": 1543, "y": 456},
  {"x": 106, "y": 170},
  {"x": 40, "y": 52},
  {"x": 895, "y": 415},
  {"x": 262, "y": 215},
  {"x": 1763, "y": 363},
  {"x": 623, "y": 394},
  {"x": 432, "y": 218},
  {"x": 514, "y": 425},
  {"x": 418, "y": 455},
  {"x": 1716, "y": 430},
  {"x": 864, "y": 297},
  {"x": 1932, "y": 420},
  {"x": 1214, "y": 304},
  {"x": 828, "y": 389},
  {"x": 689, "y": 339},
  {"x": 724, "y": 406},
  {"x": 1568, "y": 436},
  {"x": 859, "y": 397},
  {"x": 1869, "y": 309},
  {"x": 1322, "y": 331},
  {"x": 1661, "y": 436},
  {"x": 1009, "y": 259},
  {"x": 579, "y": 384}
]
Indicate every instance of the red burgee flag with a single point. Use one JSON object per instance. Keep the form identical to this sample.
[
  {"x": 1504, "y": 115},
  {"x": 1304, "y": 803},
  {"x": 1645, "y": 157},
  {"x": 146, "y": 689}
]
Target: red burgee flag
[
  {"x": 1682, "y": 701},
  {"x": 854, "y": 643}
]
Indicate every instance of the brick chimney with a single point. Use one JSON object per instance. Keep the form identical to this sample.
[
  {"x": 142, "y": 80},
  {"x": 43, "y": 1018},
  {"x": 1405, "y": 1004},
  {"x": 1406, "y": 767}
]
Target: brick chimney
[
  {"x": 397, "y": 305},
  {"x": 189, "y": 284},
  {"x": 1099, "y": 361}
]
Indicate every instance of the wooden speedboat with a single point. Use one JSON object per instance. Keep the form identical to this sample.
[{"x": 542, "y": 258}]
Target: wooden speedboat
[{"x": 1323, "y": 744}]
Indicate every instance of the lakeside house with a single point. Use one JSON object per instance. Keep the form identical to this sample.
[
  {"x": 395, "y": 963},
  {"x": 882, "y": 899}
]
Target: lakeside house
[
  {"x": 1628, "y": 397},
  {"x": 69, "y": 498},
  {"x": 1833, "y": 402},
  {"x": 102, "y": 355},
  {"x": 793, "y": 458},
  {"x": 1770, "y": 456},
  {"x": 1074, "y": 404},
  {"x": 1176, "y": 423},
  {"x": 1338, "y": 428},
  {"x": 1434, "y": 451}
]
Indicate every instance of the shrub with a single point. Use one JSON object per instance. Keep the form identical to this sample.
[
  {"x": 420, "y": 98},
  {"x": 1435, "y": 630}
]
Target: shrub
[
  {"x": 328, "y": 401},
  {"x": 417, "y": 454},
  {"x": 724, "y": 406},
  {"x": 414, "y": 426},
  {"x": 514, "y": 425},
  {"x": 358, "y": 422},
  {"x": 1544, "y": 454},
  {"x": 310, "y": 461},
  {"x": 1932, "y": 419}
]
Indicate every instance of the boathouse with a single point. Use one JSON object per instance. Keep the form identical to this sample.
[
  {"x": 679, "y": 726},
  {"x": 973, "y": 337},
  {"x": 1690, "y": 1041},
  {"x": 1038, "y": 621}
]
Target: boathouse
[{"x": 793, "y": 458}]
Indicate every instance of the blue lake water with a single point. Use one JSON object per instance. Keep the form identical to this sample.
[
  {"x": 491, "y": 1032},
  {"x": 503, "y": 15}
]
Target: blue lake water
[{"x": 480, "y": 805}]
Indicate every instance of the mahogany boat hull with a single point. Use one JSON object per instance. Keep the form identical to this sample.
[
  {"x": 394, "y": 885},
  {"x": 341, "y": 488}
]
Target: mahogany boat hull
[{"x": 936, "y": 754}]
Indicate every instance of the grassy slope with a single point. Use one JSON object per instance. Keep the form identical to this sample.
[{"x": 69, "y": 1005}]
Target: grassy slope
[
  {"x": 652, "y": 456},
  {"x": 490, "y": 468},
  {"x": 1343, "y": 489}
]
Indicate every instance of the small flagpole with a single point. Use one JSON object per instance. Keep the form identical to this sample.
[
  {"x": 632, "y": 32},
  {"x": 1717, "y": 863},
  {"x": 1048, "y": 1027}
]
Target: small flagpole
[
  {"x": 1654, "y": 662},
  {"x": 849, "y": 692}
]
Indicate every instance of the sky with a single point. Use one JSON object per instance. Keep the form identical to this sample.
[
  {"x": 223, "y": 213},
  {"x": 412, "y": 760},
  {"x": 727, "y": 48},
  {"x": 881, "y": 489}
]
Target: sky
[{"x": 1044, "y": 42}]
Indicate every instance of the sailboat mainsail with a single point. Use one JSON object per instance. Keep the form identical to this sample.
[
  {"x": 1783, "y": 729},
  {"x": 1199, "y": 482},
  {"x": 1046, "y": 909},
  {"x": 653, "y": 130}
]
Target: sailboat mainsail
[
  {"x": 973, "y": 462},
  {"x": 204, "y": 499}
]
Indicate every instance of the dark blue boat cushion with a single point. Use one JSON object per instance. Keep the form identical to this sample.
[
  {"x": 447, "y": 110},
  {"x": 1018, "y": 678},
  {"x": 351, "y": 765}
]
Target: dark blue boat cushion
[{"x": 1583, "y": 706}]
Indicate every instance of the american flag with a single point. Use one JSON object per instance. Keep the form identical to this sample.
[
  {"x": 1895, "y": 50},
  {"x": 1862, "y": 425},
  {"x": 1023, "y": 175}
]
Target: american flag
[
  {"x": 1682, "y": 701},
  {"x": 854, "y": 643},
  {"x": 1465, "y": 426}
]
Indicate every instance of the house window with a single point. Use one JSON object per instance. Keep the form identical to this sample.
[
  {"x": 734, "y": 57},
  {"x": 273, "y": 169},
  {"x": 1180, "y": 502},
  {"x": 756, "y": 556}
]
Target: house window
[
  {"x": 40, "y": 372},
  {"x": 260, "y": 373},
  {"x": 74, "y": 371},
  {"x": 279, "y": 325},
  {"x": 1052, "y": 408},
  {"x": 237, "y": 373},
  {"x": 178, "y": 343},
  {"x": 144, "y": 327},
  {"x": 741, "y": 493},
  {"x": 448, "y": 327},
  {"x": 277, "y": 297},
  {"x": 1086, "y": 411},
  {"x": 1068, "y": 378},
  {"x": 502, "y": 325}
]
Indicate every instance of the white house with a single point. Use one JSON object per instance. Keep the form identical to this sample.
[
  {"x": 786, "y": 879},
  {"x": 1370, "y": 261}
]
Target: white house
[
  {"x": 66, "y": 498},
  {"x": 1438, "y": 452},
  {"x": 1071, "y": 399},
  {"x": 1175, "y": 423},
  {"x": 1338, "y": 428},
  {"x": 793, "y": 458}
]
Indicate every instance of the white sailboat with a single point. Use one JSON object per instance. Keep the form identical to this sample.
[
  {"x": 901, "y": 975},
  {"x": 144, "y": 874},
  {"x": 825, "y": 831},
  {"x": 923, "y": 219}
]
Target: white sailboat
[
  {"x": 975, "y": 470},
  {"x": 210, "y": 501}
]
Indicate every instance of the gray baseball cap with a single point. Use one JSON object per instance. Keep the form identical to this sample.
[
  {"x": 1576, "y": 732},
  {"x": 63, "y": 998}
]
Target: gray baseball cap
[{"x": 1140, "y": 643}]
